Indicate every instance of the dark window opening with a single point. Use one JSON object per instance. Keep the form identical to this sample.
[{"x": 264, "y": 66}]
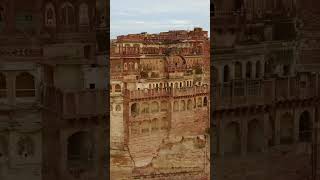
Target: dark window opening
[{"x": 92, "y": 86}]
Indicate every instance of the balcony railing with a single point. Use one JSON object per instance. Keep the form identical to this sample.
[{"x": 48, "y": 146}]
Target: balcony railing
[
  {"x": 167, "y": 92},
  {"x": 245, "y": 92},
  {"x": 73, "y": 104}
]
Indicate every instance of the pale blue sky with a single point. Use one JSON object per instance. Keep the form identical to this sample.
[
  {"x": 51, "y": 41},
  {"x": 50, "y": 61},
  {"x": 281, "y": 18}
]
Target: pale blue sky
[{"x": 152, "y": 16}]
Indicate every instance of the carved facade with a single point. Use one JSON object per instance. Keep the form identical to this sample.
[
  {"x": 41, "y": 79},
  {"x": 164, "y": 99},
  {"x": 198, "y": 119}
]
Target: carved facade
[
  {"x": 264, "y": 96},
  {"x": 52, "y": 90},
  {"x": 160, "y": 105}
]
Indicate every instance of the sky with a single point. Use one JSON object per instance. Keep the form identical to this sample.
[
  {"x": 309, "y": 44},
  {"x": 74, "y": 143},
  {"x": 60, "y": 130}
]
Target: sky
[{"x": 152, "y": 16}]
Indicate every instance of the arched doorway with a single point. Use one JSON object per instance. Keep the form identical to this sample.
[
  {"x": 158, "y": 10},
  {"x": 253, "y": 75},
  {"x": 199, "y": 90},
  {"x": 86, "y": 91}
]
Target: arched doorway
[
  {"x": 215, "y": 75},
  {"x": 255, "y": 136},
  {"x": 134, "y": 109},
  {"x": 232, "y": 139},
  {"x": 226, "y": 73},
  {"x": 286, "y": 129},
  {"x": 80, "y": 150},
  {"x": 25, "y": 85},
  {"x": 305, "y": 127},
  {"x": 3, "y": 86}
]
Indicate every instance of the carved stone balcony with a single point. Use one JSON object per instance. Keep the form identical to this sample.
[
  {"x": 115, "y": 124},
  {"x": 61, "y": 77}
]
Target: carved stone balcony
[
  {"x": 75, "y": 103},
  {"x": 261, "y": 92}
]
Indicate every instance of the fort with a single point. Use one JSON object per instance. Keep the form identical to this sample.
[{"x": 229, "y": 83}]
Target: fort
[{"x": 160, "y": 105}]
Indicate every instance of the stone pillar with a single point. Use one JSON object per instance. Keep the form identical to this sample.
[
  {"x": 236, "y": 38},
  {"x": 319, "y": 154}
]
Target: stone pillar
[
  {"x": 296, "y": 127},
  {"x": 11, "y": 86},
  {"x": 266, "y": 131},
  {"x": 231, "y": 73},
  {"x": 262, "y": 64},
  {"x": 277, "y": 127},
  {"x": 243, "y": 135},
  {"x": 63, "y": 153},
  {"x": 317, "y": 84},
  {"x": 100, "y": 152},
  {"x": 221, "y": 74}
]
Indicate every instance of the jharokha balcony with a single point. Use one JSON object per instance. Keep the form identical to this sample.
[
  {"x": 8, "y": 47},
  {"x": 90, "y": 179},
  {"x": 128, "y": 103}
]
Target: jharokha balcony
[
  {"x": 75, "y": 104},
  {"x": 239, "y": 93}
]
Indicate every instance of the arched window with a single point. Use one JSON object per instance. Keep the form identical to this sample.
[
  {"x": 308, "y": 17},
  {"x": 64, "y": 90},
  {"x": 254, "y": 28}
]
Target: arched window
[
  {"x": 25, "y": 147},
  {"x": 2, "y": 18},
  {"x": 87, "y": 51},
  {"x": 130, "y": 66},
  {"x": 305, "y": 127},
  {"x": 238, "y": 70},
  {"x": 117, "y": 88},
  {"x": 199, "y": 102},
  {"x": 249, "y": 70},
  {"x": 286, "y": 129},
  {"x": 136, "y": 66},
  {"x": 205, "y": 101},
  {"x": 255, "y": 136},
  {"x": 164, "y": 123},
  {"x": 232, "y": 139},
  {"x": 182, "y": 105},
  {"x": 50, "y": 15},
  {"x": 144, "y": 108},
  {"x": 125, "y": 67},
  {"x": 118, "y": 108},
  {"x": 215, "y": 75},
  {"x": 3, "y": 147},
  {"x": 134, "y": 109},
  {"x": 83, "y": 14},
  {"x": 145, "y": 127},
  {"x": 226, "y": 73},
  {"x": 238, "y": 4},
  {"x": 25, "y": 85},
  {"x": 155, "y": 125},
  {"x": 3, "y": 86},
  {"x": 154, "y": 107},
  {"x": 67, "y": 14},
  {"x": 2, "y": 14},
  {"x": 267, "y": 67},
  {"x": 286, "y": 70},
  {"x": 164, "y": 106},
  {"x": 80, "y": 150}
]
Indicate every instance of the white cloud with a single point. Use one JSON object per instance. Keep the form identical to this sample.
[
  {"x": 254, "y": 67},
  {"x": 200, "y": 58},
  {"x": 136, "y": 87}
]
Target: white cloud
[
  {"x": 185, "y": 22},
  {"x": 139, "y": 22},
  {"x": 128, "y": 16}
]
